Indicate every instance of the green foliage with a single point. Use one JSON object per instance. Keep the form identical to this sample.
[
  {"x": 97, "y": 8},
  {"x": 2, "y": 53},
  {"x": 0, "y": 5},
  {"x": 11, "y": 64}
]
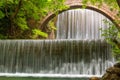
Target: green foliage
[
  {"x": 21, "y": 23},
  {"x": 38, "y": 32},
  {"x": 3, "y": 37},
  {"x": 112, "y": 36},
  {"x": 111, "y": 3},
  {"x": 16, "y": 14},
  {"x": 111, "y": 32},
  {"x": 1, "y": 14},
  {"x": 52, "y": 25}
]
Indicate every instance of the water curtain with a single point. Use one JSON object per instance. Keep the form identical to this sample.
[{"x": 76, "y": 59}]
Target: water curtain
[{"x": 79, "y": 49}]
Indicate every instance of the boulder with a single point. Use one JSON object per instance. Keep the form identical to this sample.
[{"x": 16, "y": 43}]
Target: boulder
[
  {"x": 112, "y": 73},
  {"x": 94, "y": 78}
]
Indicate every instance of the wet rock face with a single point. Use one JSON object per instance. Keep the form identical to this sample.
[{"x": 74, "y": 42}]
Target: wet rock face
[{"x": 112, "y": 73}]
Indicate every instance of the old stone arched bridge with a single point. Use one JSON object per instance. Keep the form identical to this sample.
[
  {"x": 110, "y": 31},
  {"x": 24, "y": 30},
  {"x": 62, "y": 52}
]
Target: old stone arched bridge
[{"x": 103, "y": 9}]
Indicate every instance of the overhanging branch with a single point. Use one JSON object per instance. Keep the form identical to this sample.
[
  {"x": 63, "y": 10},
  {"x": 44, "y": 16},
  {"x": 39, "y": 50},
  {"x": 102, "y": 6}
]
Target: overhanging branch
[{"x": 17, "y": 9}]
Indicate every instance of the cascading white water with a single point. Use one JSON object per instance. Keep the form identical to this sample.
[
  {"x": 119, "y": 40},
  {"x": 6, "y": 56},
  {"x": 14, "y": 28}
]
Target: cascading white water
[
  {"x": 75, "y": 57},
  {"x": 81, "y": 24},
  {"x": 78, "y": 50}
]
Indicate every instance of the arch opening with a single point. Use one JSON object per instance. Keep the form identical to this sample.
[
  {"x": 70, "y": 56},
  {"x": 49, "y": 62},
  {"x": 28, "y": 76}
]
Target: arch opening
[
  {"x": 106, "y": 13},
  {"x": 83, "y": 24}
]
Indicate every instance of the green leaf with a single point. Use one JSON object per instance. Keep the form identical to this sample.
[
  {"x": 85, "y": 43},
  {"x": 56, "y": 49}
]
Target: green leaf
[
  {"x": 22, "y": 24},
  {"x": 2, "y": 15},
  {"x": 119, "y": 35},
  {"x": 36, "y": 16},
  {"x": 52, "y": 25},
  {"x": 1, "y": 3},
  {"x": 2, "y": 36},
  {"x": 40, "y": 33}
]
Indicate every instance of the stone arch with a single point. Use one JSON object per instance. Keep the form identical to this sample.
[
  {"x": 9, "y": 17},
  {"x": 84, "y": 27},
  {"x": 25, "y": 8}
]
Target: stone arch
[{"x": 104, "y": 10}]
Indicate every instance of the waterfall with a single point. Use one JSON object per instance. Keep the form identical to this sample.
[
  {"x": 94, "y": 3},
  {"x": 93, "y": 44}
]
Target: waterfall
[
  {"x": 80, "y": 24},
  {"x": 79, "y": 49}
]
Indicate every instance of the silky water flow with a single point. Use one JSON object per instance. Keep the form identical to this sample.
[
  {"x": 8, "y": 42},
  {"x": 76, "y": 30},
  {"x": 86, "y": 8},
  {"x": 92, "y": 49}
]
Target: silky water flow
[{"x": 78, "y": 50}]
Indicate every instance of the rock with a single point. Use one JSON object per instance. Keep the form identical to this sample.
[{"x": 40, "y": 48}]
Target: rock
[
  {"x": 112, "y": 73},
  {"x": 94, "y": 78},
  {"x": 117, "y": 65},
  {"x": 113, "y": 70}
]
